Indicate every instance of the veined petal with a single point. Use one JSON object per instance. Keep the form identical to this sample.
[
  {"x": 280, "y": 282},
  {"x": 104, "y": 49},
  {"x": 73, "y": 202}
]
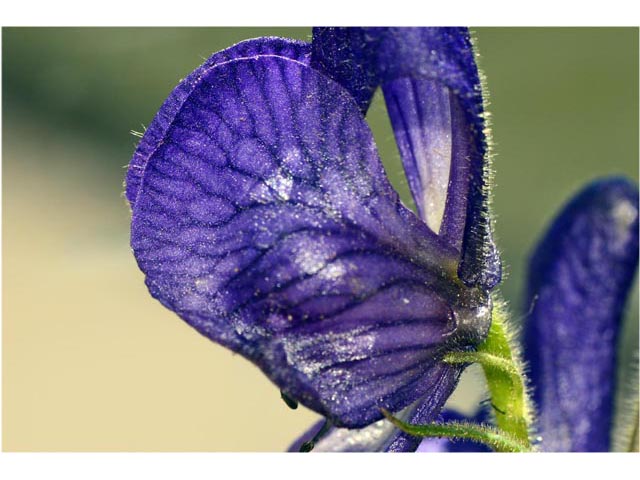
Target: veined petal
[
  {"x": 265, "y": 220},
  {"x": 579, "y": 278},
  {"x": 434, "y": 98},
  {"x": 154, "y": 134}
]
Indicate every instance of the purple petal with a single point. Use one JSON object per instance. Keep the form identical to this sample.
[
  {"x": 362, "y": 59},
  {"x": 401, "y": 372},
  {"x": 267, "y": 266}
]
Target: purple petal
[
  {"x": 265, "y": 220},
  {"x": 428, "y": 411},
  {"x": 343, "y": 54},
  {"x": 432, "y": 135},
  {"x": 434, "y": 98},
  {"x": 154, "y": 134},
  {"x": 382, "y": 436},
  {"x": 372, "y": 438},
  {"x": 579, "y": 279}
]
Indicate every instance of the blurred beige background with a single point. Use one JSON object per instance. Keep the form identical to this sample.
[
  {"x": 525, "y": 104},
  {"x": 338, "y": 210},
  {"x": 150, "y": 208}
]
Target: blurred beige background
[{"x": 91, "y": 361}]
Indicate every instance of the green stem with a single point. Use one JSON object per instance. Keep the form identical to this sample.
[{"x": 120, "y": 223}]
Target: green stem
[
  {"x": 505, "y": 379},
  {"x": 483, "y": 358},
  {"x": 494, "y": 438}
]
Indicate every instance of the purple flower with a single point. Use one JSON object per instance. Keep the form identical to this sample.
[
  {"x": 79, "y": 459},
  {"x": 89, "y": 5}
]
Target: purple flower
[
  {"x": 579, "y": 279},
  {"x": 263, "y": 217}
]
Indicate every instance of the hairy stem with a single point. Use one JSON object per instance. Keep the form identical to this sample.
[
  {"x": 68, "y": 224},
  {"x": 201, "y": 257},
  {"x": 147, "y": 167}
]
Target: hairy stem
[
  {"x": 491, "y": 436},
  {"x": 502, "y": 368}
]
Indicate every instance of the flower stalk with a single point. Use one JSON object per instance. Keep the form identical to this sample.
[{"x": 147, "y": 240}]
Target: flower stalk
[{"x": 500, "y": 361}]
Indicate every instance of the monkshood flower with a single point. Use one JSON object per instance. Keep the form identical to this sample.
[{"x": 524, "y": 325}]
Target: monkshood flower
[
  {"x": 262, "y": 215},
  {"x": 579, "y": 279}
]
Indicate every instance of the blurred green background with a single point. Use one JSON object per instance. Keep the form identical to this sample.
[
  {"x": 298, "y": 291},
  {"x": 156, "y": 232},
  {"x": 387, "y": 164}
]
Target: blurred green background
[{"x": 91, "y": 361}]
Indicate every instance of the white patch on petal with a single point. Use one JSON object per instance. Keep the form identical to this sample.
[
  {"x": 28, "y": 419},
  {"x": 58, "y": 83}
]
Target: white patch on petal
[
  {"x": 333, "y": 271},
  {"x": 302, "y": 352},
  {"x": 624, "y": 214},
  {"x": 433, "y": 154},
  {"x": 312, "y": 255},
  {"x": 281, "y": 185}
]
